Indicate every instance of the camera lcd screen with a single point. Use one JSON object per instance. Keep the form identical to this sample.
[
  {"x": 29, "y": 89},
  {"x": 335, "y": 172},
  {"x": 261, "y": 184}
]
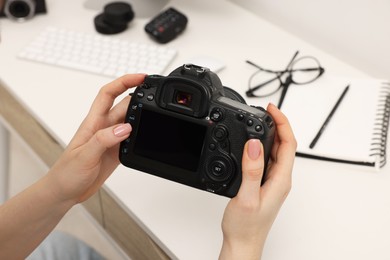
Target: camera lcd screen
[{"x": 169, "y": 140}]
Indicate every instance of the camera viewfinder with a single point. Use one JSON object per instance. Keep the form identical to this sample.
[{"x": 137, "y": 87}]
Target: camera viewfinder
[{"x": 183, "y": 98}]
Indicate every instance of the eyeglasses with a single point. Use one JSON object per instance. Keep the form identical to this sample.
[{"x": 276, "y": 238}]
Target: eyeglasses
[{"x": 299, "y": 71}]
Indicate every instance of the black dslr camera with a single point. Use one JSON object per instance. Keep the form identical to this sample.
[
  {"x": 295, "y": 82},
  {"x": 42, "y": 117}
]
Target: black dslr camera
[
  {"x": 21, "y": 10},
  {"x": 190, "y": 129}
]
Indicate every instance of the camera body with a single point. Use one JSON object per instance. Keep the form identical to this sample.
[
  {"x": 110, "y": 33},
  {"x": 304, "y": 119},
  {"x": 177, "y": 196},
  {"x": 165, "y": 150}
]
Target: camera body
[
  {"x": 21, "y": 10},
  {"x": 190, "y": 129}
]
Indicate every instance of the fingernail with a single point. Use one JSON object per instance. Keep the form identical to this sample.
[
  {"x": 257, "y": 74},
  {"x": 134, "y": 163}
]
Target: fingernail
[
  {"x": 254, "y": 149},
  {"x": 271, "y": 104},
  {"x": 122, "y": 130}
]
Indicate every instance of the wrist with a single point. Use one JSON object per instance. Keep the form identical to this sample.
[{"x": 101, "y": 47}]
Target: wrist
[
  {"x": 239, "y": 250},
  {"x": 54, "y": 189}
]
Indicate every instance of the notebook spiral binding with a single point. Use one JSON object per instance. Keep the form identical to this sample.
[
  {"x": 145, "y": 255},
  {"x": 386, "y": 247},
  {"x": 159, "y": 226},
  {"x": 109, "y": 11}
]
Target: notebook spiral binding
[{"x": 379, "y": 139}]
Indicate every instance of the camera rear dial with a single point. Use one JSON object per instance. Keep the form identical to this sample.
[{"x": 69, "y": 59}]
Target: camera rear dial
[{"x": 220, "y": 168}]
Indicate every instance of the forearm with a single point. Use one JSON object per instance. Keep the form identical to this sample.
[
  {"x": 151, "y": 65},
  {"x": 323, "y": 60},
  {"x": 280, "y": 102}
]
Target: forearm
[{"x": 27, "y": 218}]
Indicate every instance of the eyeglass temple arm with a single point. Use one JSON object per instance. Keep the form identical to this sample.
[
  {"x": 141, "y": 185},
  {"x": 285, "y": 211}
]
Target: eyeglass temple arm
[
  {"x": 249, "y": 92},
  {"x": 260, "y": 68},
  {"x": 292, "y": 60},
  {"x": 321, "y": 69},
  {"x": 279, "y": 72},
  {"x": 285, "y": 87},
  {"x": 288, "y": 80}
]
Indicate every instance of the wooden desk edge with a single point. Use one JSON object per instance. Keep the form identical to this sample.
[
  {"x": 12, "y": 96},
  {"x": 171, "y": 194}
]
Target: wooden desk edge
[{"x": 129, "y": 235}]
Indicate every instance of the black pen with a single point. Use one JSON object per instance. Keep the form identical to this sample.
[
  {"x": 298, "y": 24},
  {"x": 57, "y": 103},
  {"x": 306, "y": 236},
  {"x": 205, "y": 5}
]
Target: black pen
[{"x": 313, "y": 143}]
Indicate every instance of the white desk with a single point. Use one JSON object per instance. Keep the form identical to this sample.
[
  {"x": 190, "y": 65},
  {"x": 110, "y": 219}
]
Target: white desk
[{"x": 334, "y": 211}]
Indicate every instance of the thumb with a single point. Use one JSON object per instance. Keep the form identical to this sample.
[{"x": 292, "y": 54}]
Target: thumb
[
  {"x": 252, "y": 169},
  {"x": 105, "y": 139}
]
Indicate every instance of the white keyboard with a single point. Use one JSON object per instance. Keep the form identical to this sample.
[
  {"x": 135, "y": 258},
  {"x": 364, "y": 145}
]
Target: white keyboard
[{"x": 98, "y": 54}]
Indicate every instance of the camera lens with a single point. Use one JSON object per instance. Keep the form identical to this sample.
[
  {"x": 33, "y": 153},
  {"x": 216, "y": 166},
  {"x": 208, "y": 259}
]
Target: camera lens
[
  {"x": 20, "y": 10},
  {"x": 183, "y": 98}
]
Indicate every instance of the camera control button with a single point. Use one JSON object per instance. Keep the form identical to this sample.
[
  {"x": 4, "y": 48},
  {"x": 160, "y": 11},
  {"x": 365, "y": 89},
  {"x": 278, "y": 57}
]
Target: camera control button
[
  {"x": 220, "y": 133},
  {"x": 150, "y": 97},
  {"x": 218, "y": 168},
  {"x": 216, "y": 115},
  {"x": 140, "y": 94},
  {"x": 249, "y": 122},
  {"x": 258, "y": 128},
  {"x": 212, "y": 146},
  {"x": 240, "y": 117}
]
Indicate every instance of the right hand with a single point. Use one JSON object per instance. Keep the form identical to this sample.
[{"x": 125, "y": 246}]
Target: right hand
[{"x": 249, "y": 216}]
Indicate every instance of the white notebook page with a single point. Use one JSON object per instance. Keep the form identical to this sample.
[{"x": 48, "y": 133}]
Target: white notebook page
[{"x": 348, "y": 135}]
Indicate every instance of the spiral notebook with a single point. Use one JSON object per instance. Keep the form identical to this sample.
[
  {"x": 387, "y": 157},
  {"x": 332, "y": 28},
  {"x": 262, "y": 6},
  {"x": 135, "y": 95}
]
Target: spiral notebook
[{"x": 357, "y": 132}]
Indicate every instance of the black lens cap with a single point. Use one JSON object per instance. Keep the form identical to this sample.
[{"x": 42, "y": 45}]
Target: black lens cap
[
  {"x": 20, "y": 9},
  {"x": 102, "y": 27},
  {"x": 114, "y": 18},
  {"x": 118, "y": 13}
]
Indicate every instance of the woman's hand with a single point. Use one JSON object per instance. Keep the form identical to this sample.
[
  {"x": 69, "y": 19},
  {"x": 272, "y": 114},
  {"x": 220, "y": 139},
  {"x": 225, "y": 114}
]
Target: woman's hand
[
  {"x": 92, "y": 155},
  {"x": 249, "y": 216}
]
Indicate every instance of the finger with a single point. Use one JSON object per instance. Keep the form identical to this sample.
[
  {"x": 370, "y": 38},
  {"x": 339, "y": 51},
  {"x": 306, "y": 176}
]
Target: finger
[
  {"x": 107, "y": 94},
  {"x": 118, "y": 112},
  {"x": 103, "y": 140},
  {"x": 285, "y": 141},
  {"x": 252, "y": 170},
  {"x": 278, "y": 183}
]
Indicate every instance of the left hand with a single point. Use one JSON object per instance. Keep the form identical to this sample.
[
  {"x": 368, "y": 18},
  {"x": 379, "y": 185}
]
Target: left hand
[{"x": 92, "y": 154}]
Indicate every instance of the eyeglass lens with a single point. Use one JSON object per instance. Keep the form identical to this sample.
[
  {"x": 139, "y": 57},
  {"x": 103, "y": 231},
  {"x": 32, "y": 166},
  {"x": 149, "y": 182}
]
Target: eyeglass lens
[
  {"x": 305, "y": 70},
  {"x": 264, "y": 84}
]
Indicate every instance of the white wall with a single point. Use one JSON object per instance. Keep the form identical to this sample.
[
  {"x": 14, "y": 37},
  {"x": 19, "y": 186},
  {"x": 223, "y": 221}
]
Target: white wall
[{"x": 356, "y": 31}]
